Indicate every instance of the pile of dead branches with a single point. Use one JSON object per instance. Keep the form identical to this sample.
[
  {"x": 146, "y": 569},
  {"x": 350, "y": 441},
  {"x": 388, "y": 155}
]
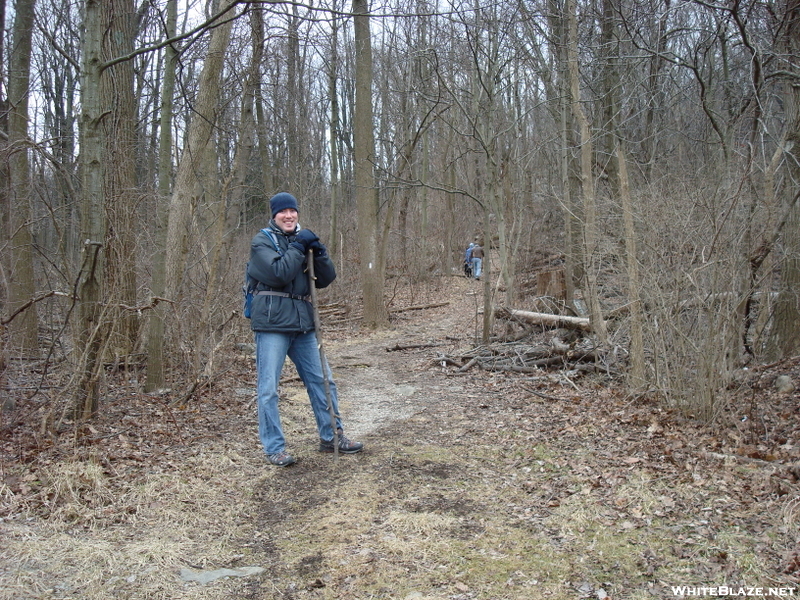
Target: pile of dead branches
[
  {"x": 522, "y": 357},
  {"x": 546, "y": 342}
]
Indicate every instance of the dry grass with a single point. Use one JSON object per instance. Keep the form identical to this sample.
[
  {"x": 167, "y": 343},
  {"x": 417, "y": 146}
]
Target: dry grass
[{"x": 95, "y": 537}]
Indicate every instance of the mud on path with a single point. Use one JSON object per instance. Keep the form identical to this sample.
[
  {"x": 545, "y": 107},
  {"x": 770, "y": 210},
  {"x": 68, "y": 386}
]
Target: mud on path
[{"x": 471, "y": 487}]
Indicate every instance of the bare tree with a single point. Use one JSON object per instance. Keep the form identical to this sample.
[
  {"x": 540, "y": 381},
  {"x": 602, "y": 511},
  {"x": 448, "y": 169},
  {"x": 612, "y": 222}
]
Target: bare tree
[
  {"x": 155, "y": 338},
  {"x": 21, "y": 282},
  {"x": 587, "y": 182},
  {"x": 335, "y": 133},
  {"x": 561, "y": 94},
  {"x": 93, "y": 225},
  {"x": 369, "y": 243},
  {"x": 119, "y": 183},
  {"x": 785, "y": 336},
  {"x": 186, "y": 191}
]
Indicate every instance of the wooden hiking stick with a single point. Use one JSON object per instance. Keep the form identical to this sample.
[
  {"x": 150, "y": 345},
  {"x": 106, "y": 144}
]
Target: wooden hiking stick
[{"x": 318, "y": 330}]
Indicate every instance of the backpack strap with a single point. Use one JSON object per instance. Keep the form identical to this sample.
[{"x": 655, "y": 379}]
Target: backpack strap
[
  {"x": 272, "y": 238},
  {"x": 283, "y": 295}
]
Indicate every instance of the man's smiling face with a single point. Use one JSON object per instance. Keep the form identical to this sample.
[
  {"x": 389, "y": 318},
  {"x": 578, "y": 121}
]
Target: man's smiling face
[{"x": 286, "y": 220}]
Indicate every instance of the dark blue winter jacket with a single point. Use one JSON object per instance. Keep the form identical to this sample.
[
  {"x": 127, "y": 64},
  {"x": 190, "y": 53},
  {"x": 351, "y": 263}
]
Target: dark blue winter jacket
[{"x": 284, "y": 269}]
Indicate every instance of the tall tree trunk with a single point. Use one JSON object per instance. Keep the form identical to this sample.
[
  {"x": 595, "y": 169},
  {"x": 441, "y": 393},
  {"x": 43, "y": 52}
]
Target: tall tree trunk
[
  {"x": 572, "y": 252},
  {"x": 5, "y": 201},
  {"x": 186, "y": 192},
  {"x": 228, "y": 207},
  {"x": 155, "y": 338},
  {"x": 785, "y": 334},
  {"x": 636, "y": 350},
  {"x": 424, "y": 74},
  {"x": 609, "y": 54},
  {"x": 268, "y": 179},
  {"x": 93, "y": 227},
  {"x": 762, "y": 258},
  {"x": 120, "y": 178},
  {"x": 653, "y": 95},
  {"x": 587, "y": 183},
  {"x": 333, "y": 93},
  {"x": 573, "y": 213},
  {"x": 22, "y": 286},
  {"x": 293, "y": 105},
  {"x": 454, "y": 238},
  {"x": 617, "y": 169},
  {"x": 372, "y": 277}
]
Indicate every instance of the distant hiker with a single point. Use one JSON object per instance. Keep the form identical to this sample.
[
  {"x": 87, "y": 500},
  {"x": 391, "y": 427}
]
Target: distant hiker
[
  {"x": 468, "y": 261},
  {"x": 477, "y": 261},
  {"x": 283, "y": 321}
]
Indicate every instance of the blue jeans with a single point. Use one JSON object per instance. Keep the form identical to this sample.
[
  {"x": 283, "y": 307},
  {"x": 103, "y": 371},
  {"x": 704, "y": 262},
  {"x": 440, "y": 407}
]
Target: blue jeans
[
  {"x": 477, "y": 263},
  {"x": 271, "y": 352}
]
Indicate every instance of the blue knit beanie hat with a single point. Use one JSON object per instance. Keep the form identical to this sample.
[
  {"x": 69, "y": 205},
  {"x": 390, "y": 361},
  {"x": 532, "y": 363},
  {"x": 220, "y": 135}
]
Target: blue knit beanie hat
[{"x": 282, "y": 201}]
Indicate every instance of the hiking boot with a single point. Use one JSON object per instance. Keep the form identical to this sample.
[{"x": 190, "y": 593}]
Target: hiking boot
[
  {"x": 346, "y": 445},
  {"x": 281, "y": 459}
]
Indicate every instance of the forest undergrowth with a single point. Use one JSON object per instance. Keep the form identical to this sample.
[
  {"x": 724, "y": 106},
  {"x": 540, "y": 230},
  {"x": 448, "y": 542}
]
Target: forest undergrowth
[{"x": 473, "y": 485}]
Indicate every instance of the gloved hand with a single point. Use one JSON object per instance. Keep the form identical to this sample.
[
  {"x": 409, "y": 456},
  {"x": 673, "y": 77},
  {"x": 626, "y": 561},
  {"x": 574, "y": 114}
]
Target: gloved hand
[
  {"x": 319, "y": 249},
  {"x": 304, "y": 240}
]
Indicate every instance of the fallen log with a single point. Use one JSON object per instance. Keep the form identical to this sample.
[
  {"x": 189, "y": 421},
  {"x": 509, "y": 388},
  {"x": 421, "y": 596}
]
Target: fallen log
[{"x": 581, "y": 323}]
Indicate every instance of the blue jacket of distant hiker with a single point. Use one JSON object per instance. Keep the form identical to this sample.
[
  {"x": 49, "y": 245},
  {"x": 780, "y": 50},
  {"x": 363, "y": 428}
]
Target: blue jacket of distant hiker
[{"x": 284, "y": 302}]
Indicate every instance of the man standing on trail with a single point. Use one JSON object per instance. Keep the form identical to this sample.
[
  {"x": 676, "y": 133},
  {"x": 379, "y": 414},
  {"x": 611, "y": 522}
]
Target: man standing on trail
[
  {"x": 282, "y": 318},
  {"x": 477, "y": 261}
]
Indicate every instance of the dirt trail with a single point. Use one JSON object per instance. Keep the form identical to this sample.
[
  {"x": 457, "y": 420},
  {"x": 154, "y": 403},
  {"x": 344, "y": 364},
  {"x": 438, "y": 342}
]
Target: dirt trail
[{"x": 378, "y": 385}]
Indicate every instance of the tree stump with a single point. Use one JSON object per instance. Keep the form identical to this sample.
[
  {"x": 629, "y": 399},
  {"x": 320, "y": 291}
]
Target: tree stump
[{"x": 552, "y": 283}]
